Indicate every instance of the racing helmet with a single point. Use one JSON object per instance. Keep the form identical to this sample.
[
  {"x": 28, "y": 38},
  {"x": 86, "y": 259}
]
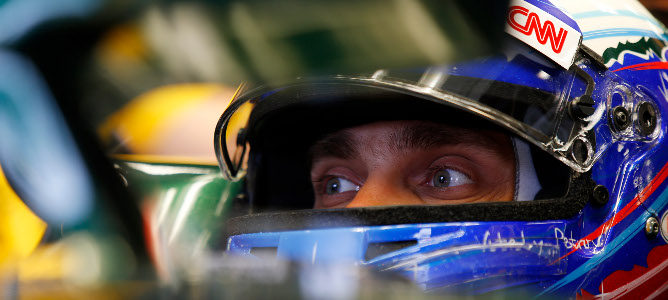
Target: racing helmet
[{"x": 566, "y": 114}]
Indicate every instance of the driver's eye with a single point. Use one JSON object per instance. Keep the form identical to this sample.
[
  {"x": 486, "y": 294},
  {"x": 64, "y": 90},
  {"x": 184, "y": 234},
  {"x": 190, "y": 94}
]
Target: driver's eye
[
  {"x": 449, "y": 178},
  {"x": 339, "y": 185}
]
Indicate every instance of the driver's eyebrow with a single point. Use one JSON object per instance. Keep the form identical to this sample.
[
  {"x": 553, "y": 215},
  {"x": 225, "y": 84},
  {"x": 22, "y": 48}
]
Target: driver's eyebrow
[
  {"x": 427, "y": 135},
  {"x": 340, "y": 144},
  {"x": 416, "y": 136}
]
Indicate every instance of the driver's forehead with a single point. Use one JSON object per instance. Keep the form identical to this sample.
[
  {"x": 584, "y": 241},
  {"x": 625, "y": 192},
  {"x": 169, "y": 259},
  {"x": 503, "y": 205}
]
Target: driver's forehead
[{"x": 397, "y": 137}]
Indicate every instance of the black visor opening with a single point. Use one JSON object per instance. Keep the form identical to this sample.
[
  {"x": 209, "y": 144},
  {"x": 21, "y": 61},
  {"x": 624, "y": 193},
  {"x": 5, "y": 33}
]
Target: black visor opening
[{"x": 280, "y": 136}]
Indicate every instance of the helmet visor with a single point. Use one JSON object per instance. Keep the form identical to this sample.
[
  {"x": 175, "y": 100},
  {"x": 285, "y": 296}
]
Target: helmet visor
[{"x": 519, "y": 91}]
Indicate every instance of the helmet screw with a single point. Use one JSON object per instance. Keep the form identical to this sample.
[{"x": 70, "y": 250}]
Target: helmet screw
[
  {"x": 582, "y": 107},
  {"x": 646, "y": 118},
  {"x": 579, "y": 151},
  {"x": 652, "y": 227},
  {"x": 620, "y": 118},
  {"x": 600, "y": 195}
]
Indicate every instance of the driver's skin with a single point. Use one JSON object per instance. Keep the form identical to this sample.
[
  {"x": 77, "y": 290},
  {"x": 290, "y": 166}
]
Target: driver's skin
[{"x": 411, "y": 163}]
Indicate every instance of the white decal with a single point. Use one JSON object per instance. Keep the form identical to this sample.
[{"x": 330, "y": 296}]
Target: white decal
[
  {"x": 489, "y": 243},
  {"x": 543, "y": 32},
  {"x": 510, "y": 243},
  {"x": 571, "y": 243},
  {"x": 638, "y": 182},
  {"x": 663, "y": 89}
]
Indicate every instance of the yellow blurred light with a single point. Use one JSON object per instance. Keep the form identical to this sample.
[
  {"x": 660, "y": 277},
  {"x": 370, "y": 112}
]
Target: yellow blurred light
[
  {"x": 44, "y": 264},
  {"x": 20, "y": 229},
  {"x": 123, "y": 44},
  {"x": 142, "y": 121}
]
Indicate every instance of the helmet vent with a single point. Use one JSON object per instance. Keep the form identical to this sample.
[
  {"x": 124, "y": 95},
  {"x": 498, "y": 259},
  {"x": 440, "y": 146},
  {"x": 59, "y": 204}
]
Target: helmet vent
[{"x": 265, "y": 252}]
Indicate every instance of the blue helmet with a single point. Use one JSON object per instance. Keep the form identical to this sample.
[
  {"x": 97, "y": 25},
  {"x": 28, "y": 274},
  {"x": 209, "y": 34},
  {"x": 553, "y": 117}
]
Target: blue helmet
[{"x": 584, "y": 116}]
